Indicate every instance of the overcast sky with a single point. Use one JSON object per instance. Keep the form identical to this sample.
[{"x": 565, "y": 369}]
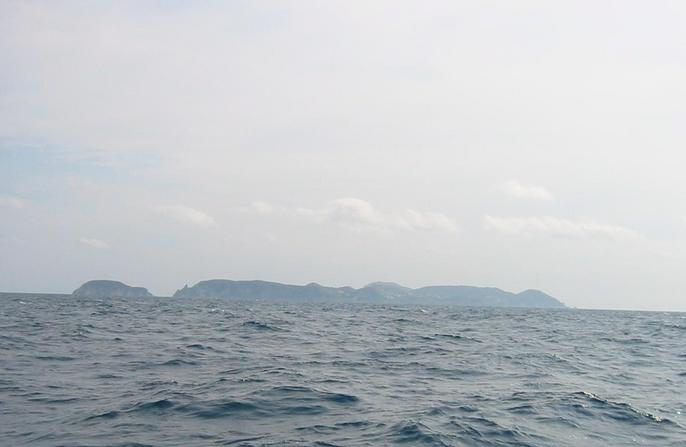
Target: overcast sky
[{"x": 527, "y": 144}]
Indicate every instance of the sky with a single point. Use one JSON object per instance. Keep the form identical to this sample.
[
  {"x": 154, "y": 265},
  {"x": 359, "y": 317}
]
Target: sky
[{"x": 528, "y": 144}]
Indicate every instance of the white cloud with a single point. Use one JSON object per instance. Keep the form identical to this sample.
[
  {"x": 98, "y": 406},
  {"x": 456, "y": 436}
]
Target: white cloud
[
  {"x": 428, "y": 221},
  {"x": 94, "y": 243},
  {"x": 11, "y": 202},
  {"x": 263, "y": 208},
  {"x": 513, "y": 188},
  {"x": 358, "y": 214},
  {"x": 188, "y": 215},
  {"x": 554, "y": 226}
]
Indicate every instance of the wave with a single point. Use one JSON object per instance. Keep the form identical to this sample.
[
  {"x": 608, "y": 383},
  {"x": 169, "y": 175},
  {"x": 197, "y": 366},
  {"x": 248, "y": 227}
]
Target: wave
[
  {"x": 178, "y": 362},
  {"x": 56, "y": 358},
  {"x": 458, "y": 337},
  {"x": 154, "y": 406},
  {"x": 258, "y": 325},
  {"x": 107, "y": 415},
  {"x": 416, "y": 433},
  {"x": 169, "y": 372},
  {"x": 620, "y": 410},
  {"x": 270, "y": 402}
]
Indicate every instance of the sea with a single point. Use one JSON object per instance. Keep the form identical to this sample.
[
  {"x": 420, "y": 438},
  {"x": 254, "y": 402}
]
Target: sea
[{"x": 213, "y": 372}]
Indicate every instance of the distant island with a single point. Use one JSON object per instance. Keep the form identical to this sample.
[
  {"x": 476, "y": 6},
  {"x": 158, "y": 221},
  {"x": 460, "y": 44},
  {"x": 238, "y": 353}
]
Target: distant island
[
  {"x": 377, "y": 292},
  {"x": 102, "y": 288}
]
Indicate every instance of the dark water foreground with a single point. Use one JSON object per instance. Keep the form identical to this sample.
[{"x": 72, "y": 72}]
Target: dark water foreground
[{"x": 169, "y": 372}]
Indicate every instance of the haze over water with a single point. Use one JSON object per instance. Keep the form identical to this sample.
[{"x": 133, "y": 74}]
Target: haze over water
[{"x": 199, "y": 372}]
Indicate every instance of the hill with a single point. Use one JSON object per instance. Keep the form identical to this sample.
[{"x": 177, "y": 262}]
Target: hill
[
  {"x": 101, "y": 288},
  {"x": 377, "y": 292}
]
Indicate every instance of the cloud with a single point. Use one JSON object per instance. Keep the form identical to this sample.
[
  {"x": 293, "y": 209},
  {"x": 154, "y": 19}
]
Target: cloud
[
  {"x": 519, "y": 190},
  {"x": 11, "y": 202},
  {"x": 360, "y": 215},
  {"x": 554, "y": 226},
  {"x": 263, "y": 208},
  {"x": 187, "y": 215},
  {"x": 428, "y": 221},
  {"x": 94, "y": 243}
]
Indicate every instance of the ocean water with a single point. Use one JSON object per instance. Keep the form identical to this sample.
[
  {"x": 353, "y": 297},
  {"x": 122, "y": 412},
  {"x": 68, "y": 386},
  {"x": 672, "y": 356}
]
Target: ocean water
[{"x": 168, "y": 372}]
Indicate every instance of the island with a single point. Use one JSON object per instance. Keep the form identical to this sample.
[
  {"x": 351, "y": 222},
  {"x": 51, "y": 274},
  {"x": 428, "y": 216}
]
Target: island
[
  {"x": 377, "y": 292},
  {"x": 102, "y": 288}
]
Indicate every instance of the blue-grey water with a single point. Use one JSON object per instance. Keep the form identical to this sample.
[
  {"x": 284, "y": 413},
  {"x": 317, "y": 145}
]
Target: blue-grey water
[{"x": 169, "y": 372}]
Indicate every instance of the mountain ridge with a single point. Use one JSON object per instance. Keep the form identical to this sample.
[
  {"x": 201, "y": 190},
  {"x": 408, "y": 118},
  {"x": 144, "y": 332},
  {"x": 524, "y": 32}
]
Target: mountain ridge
[{"x": 376, "y": 292}]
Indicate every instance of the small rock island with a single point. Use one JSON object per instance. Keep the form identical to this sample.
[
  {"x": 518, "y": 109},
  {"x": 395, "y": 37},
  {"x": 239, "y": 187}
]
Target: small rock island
[{"x": 102, "y": 288}]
